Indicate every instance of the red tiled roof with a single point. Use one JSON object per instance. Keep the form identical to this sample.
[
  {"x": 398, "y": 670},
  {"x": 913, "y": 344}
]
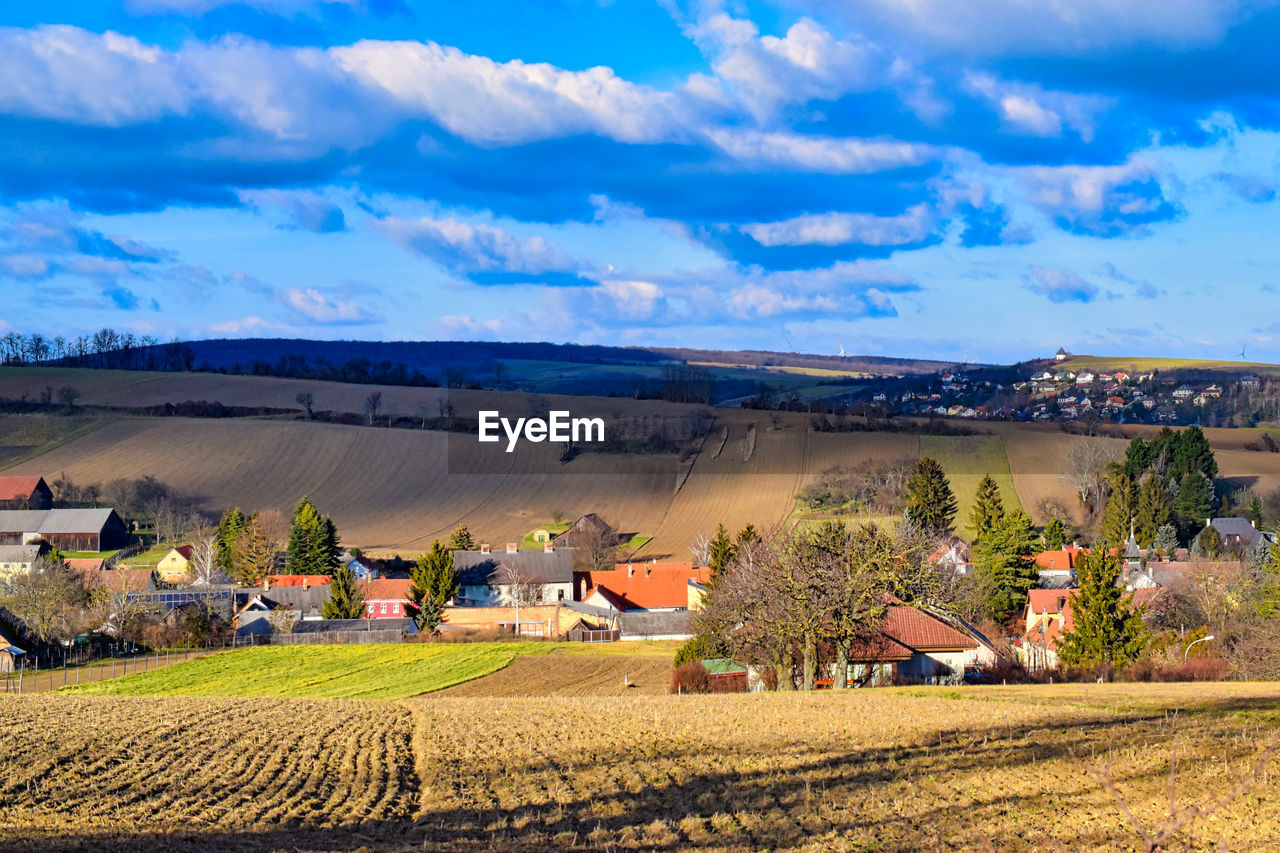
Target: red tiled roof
[
  {"x": 646, "y": 585},
  {"x": 386, "y": 589},
  {"x": 916, "y": 629},
  {"x": 1061, "y": 561},
  {"x": 883, "y": 648},
  {"x": 298, "y": 580},
  {"x": 16, "y": 488}
]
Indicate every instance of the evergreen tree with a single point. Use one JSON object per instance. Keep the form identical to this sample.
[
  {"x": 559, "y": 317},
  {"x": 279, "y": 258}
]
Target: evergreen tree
[
  {"x": 719, "y": 551},
  {"x": 346, "y": 601},
  {"x": 433, "y": 584},
  {"x": 1166, "y": 540},
  {"x": 313, "y": 542},
  {"x": 1005, "y": 566},
  {"x": 1118, "y": 516},
  {"x": 745, "y": 535},
  {"x": 1254, "y": 511},
  {"x": 254, "y": 556},
  {"x": 988, "y": 508},
  {"x": 1209, "y": 542},
  {"x": 230, "y": 528},
  {"x": 1155, "y": 509},
  {"x": 1055, "y": 535},
  {"x": 461, "y": 539},
  {"x": 1106, "y": 629},
  {"x": 930, "y": 502},
  {"x": 1193, "y": 504}
]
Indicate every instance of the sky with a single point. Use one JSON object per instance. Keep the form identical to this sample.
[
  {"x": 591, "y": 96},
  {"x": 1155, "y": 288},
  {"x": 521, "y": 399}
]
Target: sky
[{"x": 985, "y": 181}]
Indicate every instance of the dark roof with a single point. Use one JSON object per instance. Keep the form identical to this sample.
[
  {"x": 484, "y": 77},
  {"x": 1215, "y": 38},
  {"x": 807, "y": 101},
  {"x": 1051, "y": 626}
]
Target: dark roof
[
  {"x": 1238, "y": 527},
  {"x": 57, "y": 520},
  {"x": 655, "y": 623},
  {"x": 324, "y": 626},
  {"x": 477, "y": 569}
]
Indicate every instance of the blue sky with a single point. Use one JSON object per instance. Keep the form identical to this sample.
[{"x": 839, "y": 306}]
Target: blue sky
[{"x": 988, "y": 180}]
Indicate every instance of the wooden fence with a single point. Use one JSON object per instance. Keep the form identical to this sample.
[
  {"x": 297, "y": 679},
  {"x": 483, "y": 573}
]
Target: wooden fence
[{"x": 591, "y": 635}]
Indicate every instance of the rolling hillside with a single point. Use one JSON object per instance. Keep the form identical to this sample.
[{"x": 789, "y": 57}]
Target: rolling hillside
[{"x": 394, "y": 490}]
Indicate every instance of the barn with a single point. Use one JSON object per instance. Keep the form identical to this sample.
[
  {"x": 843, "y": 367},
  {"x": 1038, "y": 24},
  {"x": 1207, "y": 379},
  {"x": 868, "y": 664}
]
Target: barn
[
  {"x": 97, "y": 529},
  {"x": 25, "y": 493}
]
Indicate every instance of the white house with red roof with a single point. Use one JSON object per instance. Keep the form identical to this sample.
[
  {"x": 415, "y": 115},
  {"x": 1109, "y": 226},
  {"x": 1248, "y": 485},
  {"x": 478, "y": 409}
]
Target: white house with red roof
[{"x": 648, "y": 585}]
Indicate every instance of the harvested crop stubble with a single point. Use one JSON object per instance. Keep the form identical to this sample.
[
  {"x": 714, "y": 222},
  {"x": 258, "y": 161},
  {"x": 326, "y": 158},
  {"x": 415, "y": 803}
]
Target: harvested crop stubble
[{"x": 891, "y": 769}]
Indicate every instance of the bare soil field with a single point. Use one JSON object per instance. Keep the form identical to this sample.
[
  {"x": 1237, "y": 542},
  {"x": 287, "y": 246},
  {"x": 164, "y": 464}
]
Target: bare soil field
[
  {"x": 572, "y": 675},
  {"x": 894, "y": 769}
]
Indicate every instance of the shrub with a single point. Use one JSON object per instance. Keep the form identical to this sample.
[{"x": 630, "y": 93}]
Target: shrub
[
  {"x": 698, "y": 647},
  {"x": 690, "y": 677}
]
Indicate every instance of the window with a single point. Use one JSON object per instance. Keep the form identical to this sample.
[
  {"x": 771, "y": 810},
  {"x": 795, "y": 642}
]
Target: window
[
  {"x": 384, "y": 608},
  {"x": 561, "y": 594}
]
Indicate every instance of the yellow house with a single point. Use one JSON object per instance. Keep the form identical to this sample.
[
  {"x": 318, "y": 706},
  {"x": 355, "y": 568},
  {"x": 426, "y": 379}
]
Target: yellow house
[
  {"x": 174, "y": 566},
  {"x": 542, "y": 535}
]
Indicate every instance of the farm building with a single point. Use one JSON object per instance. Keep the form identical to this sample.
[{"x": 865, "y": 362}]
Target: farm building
[
  {"x": 65, "y": 529},
  {"x": 654, "y": 624},
  {"x": 18, "y": 559},
  {"x": 486, "y": 579},
  {"x": 1237, "y": 533},
  {"x": 587, "y": 529},
  {"x": 639, "y": 586},
  {"x": 175, "y": 565},
  {"x": 304, "y": 581},
  {"x": 25, "y": 493},
  {"x": 385, "y": 598},
  {"x": 293, "y": 604},
  {"x": 10, "y": 654}
]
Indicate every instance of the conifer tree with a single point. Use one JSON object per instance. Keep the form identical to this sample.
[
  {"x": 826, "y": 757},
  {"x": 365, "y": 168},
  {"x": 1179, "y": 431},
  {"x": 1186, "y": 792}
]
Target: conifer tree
[
  {"x": 719, "y": 551},
  {"x": 1154, "y": 510},
  {"x": 1055, "y": 535},
  {"x": 1194, "y": 503},
  {"x": 254, "y": 555},
  {"x": 313, "y": 542},
  {"x": 433, "y": 584},
  {"x": 1005, "y": 566},
  {"x": 461, "y": 539},
  {"x": 1166, "y": 540},
  {"x": 930, "y": 502},
  {"x": 230, "y": 527},
  {"x": 1117, "y": 518},
  {"x": 346, "y": 601},
  {"x": 988, "y": 508},
  {"x": 1106, "y": 628}
]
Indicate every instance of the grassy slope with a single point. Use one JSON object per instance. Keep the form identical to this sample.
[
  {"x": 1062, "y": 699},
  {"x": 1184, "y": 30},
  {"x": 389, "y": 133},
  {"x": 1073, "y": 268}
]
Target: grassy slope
[
  {"x": 1142, "y": 364},
  {"x": 24, "y": 437},
  {"x": 373, "y": 671},
  {"x": 966, "y": 459}
]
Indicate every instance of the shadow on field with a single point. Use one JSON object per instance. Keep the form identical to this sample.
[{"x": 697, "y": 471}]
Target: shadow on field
[{"x": 792, "y": 795}]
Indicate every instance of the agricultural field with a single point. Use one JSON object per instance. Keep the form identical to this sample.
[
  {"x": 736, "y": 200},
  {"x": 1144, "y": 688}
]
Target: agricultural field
[
  {"x": 395, "y": 490},
  {"x": 891, "y": 769},
  {"x": 1142, "y": 365}
]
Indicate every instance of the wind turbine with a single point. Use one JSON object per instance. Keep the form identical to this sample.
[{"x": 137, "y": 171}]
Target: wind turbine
[
  {"x": 1243, "y": 346},
  {"x": 843, "y": 354}
]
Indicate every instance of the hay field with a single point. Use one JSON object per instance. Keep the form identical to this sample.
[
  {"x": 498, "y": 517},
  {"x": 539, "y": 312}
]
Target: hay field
[{"x": 893, "y": 769}]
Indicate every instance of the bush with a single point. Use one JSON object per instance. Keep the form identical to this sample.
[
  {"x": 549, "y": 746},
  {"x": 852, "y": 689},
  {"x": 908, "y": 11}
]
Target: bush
[
  {"x": 1197, "y": 669},
  {"x": 690, "y": 677},
  {"x": 698, "y": 648}
]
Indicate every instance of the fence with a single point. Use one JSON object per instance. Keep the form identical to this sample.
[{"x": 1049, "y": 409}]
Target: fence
[
  {"x": 590, "y": 635},
  {"x": 388, "y": 635}
]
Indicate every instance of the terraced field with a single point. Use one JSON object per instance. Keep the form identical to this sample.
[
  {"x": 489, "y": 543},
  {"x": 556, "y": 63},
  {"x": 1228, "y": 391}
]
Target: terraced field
[{"x": 892, "y": 769}]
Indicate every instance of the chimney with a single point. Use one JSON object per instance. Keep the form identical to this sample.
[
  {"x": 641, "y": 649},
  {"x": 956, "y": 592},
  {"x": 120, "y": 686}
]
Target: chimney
[
  {"x": 304, "y": 583},
  {"x": 648, "y": 570},
  {"x": 266, "y": 583},
  {"x": 512, "y": 547},
  {"x": 548, "y": 548},
  {"x": 484, "y": 547}
]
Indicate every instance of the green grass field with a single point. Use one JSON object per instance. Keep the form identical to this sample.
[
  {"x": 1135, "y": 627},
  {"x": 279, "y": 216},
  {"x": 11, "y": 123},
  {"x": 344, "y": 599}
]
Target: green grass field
[
  {"x": 24, "y": 437},
  {"x": 966, "y": 459},
  {"x": 373, "y": 671}
]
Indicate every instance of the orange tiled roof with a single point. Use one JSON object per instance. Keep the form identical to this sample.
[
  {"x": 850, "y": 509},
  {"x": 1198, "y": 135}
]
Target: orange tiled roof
[
  {"x": 15, "y": 488},
  {"x": 1060, "y": 561},
  {"x": 298, "y": 580},
  {"x": 646, "y": 585},
  {"x": 386, "y": 589}
]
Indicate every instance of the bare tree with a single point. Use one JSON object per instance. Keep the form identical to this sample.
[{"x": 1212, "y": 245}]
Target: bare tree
[
  {"x": 1086, "y": 469},
  {"x": 371, "y": 405},
  {"x": 307, "y": 401},
  {"x": 282, "y": 621},
  {"x": 202, "y": 570},
  {"x": 49, "y": 599},
  {"x": 521, "y": 588},
  {"x": 68, "y": 396},
  {"x": 701, "y": 549}
]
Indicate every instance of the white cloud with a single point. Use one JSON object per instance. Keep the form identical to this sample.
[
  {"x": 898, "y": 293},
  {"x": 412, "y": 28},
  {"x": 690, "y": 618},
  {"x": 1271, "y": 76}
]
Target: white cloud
[
  {"x": 1060, "y": 286},
  {"x": 465, "y": 248},
  {"x": 837, "y": 229},
  {"x": 634, "y": 300},
  {"x": 1035, "y": 111},
  {"x": 506, "y": 103},
  {"x": 811, "y": 153},
  {"x": 315, "y": 306},
  {"x": 24, "y": 265},
  {"x": 1099, "y": 200},
  {"x": 308, "y": 211},
  {"x": 464, "y": 324}
]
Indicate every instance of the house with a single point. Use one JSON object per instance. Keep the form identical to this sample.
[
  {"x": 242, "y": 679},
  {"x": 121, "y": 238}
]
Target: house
[
  {"x": 385, "y": 598},
  {"x": 292, "y": 605},
  {"x": 953, "y": 555},
  {"x": 486, "y": 579},
  {"x": 304, "y": 581},
  {"x": 25, "y": 493},
  {"x": 1183, "y": 392},
  {"x": 357, "y": 567},
  {"x": 11, "y": 654},
  {"x": 175, "y": 566},
  {"x": 1238, "y": 533},
  {"x": 586, "y": 530},
  {"x": 1250, "y": 383},
  {"x": 1058, "y": 568},
  {"x": 640, "y": 586},
  {"x": 18, "y": 559},
  {"x": 1121, "y": 376},
  {"x": 1061, "y": 355},
  {"x": 1084, "y": 377},
  {"x": 1048, "y": 616},
  {"x": 542, "y": 535},
  {"x": 97, "y": 529}
]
